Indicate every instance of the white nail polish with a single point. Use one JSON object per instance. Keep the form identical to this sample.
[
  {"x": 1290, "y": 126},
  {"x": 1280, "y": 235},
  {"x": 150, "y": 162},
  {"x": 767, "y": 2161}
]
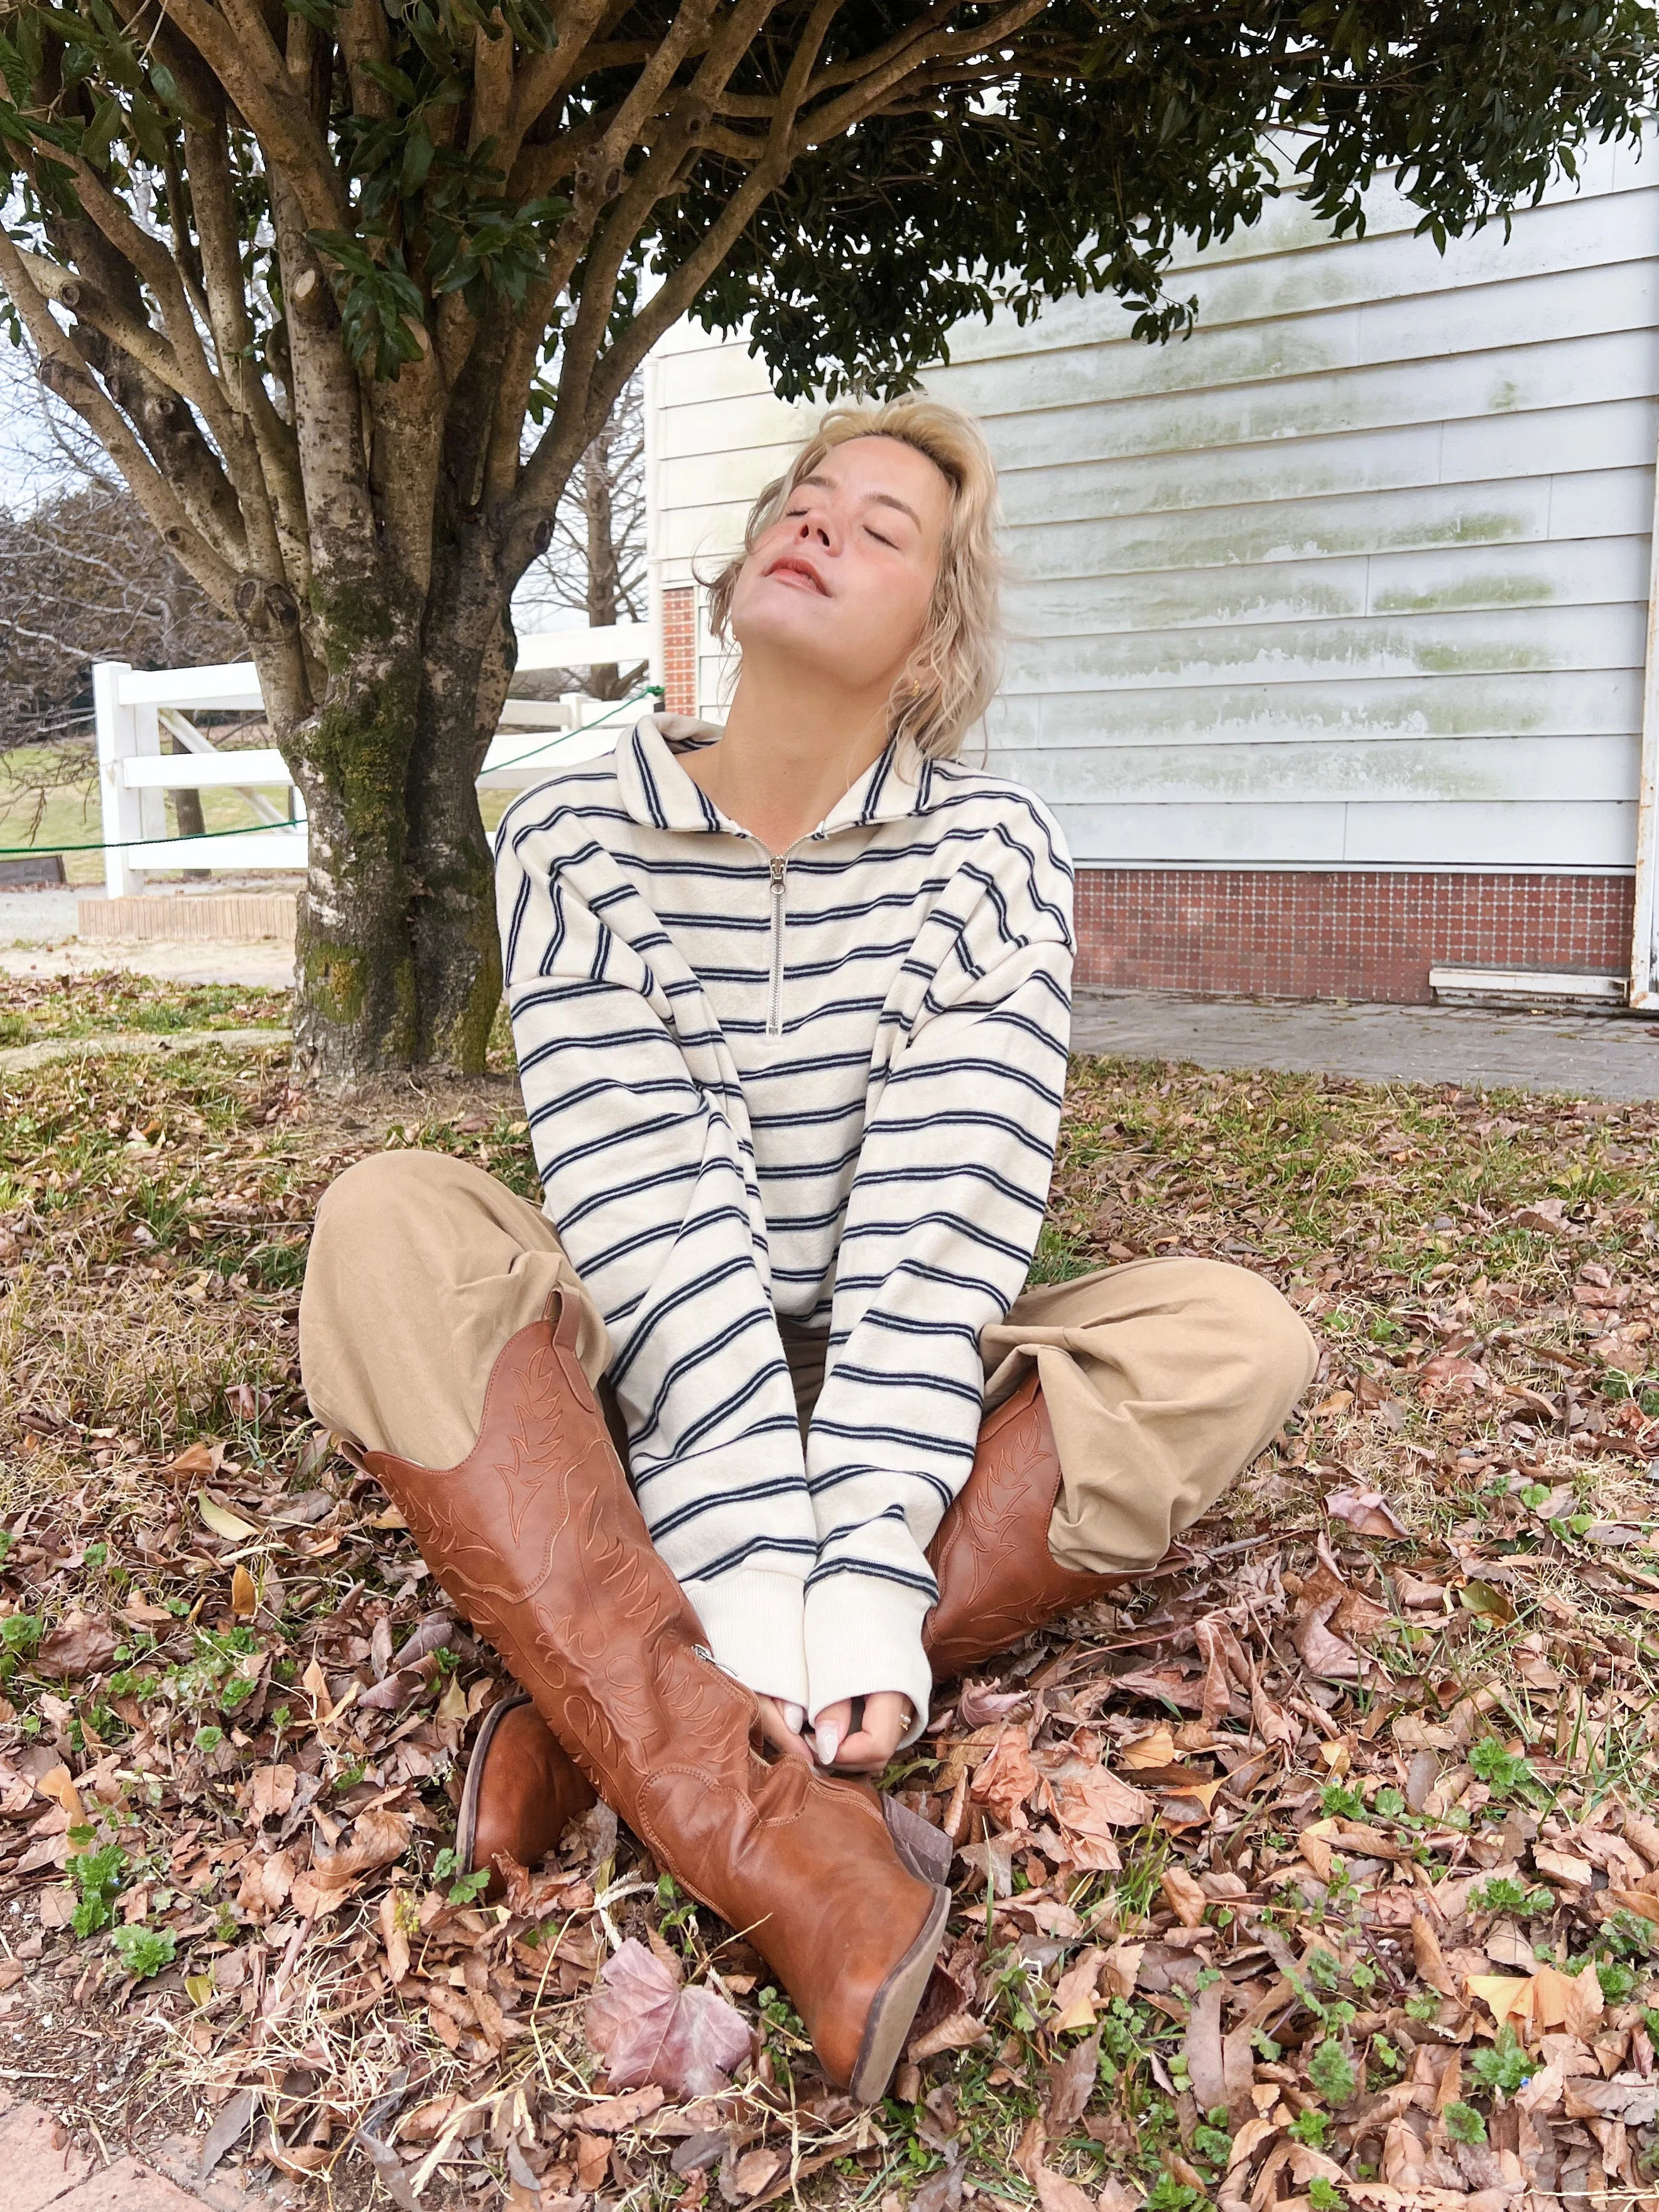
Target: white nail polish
[
  {"x": 827, "y": 1737},
  {"x": 794, "y": 1717}
]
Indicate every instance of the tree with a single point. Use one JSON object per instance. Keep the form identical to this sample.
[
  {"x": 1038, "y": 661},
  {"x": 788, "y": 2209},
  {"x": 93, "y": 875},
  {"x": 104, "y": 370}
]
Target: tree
[
  {"x": 595, "y": 559},
  {"x": 306, "y": 267}
]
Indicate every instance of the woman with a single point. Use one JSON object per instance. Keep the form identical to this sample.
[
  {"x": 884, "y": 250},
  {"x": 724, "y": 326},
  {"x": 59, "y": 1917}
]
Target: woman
[{"x": 791, "y": 1002}]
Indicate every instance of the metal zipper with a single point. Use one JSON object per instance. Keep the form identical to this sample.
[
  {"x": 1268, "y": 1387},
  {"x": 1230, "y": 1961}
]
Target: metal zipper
[{"x": 774, "y": 1006}]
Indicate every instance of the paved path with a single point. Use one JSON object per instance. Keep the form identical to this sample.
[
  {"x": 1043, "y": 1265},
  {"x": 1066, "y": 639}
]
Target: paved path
[
  {"x": 261, "y": 960},
  {"x": 42, "y": 2165},
  {"x": 1599, "y": 1056},
  {"x": 19, "y": 1056}
]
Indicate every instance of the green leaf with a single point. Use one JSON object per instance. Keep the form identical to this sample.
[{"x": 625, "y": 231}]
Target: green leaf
[
  {"x": 95, "y": 139},
  {"x": 144, "y": 1951},
  {"x": 418, "y": 151}
]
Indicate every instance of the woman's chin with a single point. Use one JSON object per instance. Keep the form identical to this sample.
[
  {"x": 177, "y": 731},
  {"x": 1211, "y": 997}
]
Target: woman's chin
[{"x": 817, "y": 640}]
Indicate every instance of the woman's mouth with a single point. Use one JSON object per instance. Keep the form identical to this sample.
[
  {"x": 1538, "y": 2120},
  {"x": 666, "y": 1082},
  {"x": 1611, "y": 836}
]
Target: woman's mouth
[{"x": 794, "y": 571}]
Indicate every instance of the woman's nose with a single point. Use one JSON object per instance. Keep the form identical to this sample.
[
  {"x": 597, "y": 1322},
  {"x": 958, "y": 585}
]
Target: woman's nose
[{"x": 817, "y": 527}]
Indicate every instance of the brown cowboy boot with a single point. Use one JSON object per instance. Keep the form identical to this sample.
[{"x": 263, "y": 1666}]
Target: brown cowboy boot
[
  {"x": 522, "y": 1791},
  {"x": 996, "y": 1582},
  {"x": 536, "y": 1539},
  {"x": 997, "y": 1579}
]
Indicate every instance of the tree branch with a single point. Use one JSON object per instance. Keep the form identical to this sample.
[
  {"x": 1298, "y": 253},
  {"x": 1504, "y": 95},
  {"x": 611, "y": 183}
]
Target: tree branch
[
  {"x": 246, "y": 63},
  {"x": 74, "y": 383}
]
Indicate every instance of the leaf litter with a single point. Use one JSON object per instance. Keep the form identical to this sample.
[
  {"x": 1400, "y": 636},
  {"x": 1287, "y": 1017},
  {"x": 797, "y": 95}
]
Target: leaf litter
[{"x": 1324, "y": 1871}]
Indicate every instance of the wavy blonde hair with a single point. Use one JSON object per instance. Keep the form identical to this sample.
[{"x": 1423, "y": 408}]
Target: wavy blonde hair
[{"x": 953, "y": 672}]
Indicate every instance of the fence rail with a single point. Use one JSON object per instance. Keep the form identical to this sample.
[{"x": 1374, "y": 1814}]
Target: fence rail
[{"x": 136, "y": 709}]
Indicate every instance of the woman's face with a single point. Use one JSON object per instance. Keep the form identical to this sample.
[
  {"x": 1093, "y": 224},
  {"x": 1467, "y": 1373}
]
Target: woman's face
[{"x": 841, "y": 582}]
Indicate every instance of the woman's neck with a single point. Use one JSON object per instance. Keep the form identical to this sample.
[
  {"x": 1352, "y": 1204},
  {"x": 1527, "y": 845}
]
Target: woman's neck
[{"x": 790, "y": 750}]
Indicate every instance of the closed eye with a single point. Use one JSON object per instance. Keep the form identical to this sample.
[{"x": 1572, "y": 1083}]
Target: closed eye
[{"x": 888, "y": 541}]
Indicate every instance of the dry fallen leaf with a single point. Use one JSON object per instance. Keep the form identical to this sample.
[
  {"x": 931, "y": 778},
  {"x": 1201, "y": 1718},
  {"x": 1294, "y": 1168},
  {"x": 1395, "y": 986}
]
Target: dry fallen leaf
[
  {"x": 222, "y": 1521},
  {"x": 1158, "y": 1749},
  {"x": 647, "y": 2028},
  {"x": 957, "y": 2031},
  {"x": 378, "y": 1839},
  {"x": 1007, "y": 1778},
  {"x": 83, "y": 1644},
  {"x": 199, "y": 1459},
  {"x": 753, "y": 2171},
  {"x": 243, "y": 1597},
  {"x": 1202, "y": 2047},
  {"x": 1367, "y": 1510},
  {"x": 1091, "y": 1801},
  {"x": 1070, "y": 2084}
]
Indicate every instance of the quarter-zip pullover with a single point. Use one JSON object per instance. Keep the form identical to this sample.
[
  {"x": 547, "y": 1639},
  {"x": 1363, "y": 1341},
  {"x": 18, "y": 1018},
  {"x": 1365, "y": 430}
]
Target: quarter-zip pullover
[{"x": 823, "y": 1085}]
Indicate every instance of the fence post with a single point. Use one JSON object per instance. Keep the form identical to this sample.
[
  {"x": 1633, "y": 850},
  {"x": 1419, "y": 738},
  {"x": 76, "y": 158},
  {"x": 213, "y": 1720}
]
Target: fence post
[{"x": 120, "y": 809}]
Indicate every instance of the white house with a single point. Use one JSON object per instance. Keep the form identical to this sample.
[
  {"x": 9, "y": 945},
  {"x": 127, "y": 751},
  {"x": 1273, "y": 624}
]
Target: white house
[{"x": 1330, "y": 621}]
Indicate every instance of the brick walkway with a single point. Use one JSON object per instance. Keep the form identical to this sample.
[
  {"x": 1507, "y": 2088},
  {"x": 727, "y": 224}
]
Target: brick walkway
[
  {"x": 1598, "y": 1056},
  {"x": 41, "y": 2166}
]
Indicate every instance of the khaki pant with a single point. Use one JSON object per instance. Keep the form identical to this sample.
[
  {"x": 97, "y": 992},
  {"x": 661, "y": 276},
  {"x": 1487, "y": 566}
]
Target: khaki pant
[{"x": 1162, "y": 1378}]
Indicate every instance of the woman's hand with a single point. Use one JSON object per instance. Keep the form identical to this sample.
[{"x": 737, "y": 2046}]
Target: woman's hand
[
  {"x": 781, "y": 1725},
  {"x": 866, "y": 1748}
]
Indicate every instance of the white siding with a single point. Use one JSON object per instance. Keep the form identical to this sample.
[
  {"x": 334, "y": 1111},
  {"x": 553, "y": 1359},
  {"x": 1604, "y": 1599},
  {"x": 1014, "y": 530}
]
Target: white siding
[{"x": 1357, "y": 575}]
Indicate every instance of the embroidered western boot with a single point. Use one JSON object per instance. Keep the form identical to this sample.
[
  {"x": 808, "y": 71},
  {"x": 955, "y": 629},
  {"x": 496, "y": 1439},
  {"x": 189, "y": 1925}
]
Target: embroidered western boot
[
  {"x": 997, "y": 1579},
  {"x": 538, "y": 1540},
  {"x": 522, "y": 1789}
]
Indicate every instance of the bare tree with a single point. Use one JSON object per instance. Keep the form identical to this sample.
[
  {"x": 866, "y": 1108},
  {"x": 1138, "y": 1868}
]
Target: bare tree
[
  {"x": 595, "y": 558},
  {"x": 305, "y": 267}
]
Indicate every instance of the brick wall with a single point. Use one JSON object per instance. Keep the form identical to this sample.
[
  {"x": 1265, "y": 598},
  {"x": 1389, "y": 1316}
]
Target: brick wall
[
  {"x": 679, "y": 650},
  {"x": 1328, "y": 935}
]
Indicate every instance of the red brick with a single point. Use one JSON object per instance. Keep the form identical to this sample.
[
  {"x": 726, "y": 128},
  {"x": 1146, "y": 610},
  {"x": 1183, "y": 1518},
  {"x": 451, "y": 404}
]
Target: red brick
[
  {"x": 1324, "y": 934},
  {"x": 41, "y": 2164},
  {"x": 679, "y": 650},
  {"x": 127, "y": 2186}
]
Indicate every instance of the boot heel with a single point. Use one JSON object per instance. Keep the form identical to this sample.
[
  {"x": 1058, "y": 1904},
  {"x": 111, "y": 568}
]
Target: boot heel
[{"x": 895, "y": 2007}]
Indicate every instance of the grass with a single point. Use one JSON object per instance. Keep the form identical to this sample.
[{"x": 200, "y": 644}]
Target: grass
[
  {"x": 1467, "y": 1484},
  {"x": 49, "y": 802}
]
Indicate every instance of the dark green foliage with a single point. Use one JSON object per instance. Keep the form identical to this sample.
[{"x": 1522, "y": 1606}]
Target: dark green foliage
[
  {"x": 144, "y": 1951},
  {"x": 1070, "y": 163},
  {"x": 1331, "y": 2073},
  {"x": 1505, "y": 2067},
  {"x": 97, "y": 1877},
  {"x": 1503, "y": 1772}
]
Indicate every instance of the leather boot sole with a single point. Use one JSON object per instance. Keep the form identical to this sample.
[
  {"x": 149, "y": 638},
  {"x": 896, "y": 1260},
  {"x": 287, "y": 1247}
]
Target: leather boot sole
[{"x": 895, "y": 2007}]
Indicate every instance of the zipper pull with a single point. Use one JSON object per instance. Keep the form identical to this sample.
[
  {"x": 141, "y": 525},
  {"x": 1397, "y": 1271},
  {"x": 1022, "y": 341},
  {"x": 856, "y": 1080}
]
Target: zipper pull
[{"x": 777, "y": 874}]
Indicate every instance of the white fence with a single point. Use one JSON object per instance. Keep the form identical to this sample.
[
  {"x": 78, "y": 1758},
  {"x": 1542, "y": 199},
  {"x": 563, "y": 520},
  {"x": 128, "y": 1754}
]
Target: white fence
[{"x": 136, "y": 709}]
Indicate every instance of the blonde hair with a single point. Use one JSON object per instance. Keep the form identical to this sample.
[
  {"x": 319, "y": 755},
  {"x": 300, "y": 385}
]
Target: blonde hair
[{"x": 953, "y": 672}]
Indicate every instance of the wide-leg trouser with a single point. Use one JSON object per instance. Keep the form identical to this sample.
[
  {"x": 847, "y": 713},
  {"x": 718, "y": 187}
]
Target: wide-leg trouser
[{"x": 1162, "y": 1378}]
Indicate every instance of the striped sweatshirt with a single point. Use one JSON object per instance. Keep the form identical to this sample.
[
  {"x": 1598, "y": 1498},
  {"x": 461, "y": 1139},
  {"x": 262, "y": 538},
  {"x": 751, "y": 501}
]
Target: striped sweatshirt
[{"x": 823, "y": 1085}]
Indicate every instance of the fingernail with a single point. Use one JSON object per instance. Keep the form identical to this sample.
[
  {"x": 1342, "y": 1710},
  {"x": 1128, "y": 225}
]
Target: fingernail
[
  {"x": 794, "y": 1719},
  {"x": 827, "y": 1742}
]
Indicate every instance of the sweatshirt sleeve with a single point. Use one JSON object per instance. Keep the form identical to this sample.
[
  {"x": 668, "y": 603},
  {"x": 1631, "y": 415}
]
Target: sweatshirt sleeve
[
  {"x": 946, "y": 1203},
  {"x": 634, "y": 1115}
]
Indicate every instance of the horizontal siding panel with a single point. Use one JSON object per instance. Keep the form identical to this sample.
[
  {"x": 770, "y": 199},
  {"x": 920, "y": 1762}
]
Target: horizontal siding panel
[
  {"x": 1589, "y": 234},
  {"x": 1255, "y": 834},
  {"x": 1425, "y": 547},
  {"x": 1531, "y": 447},
  {"x": 1370, "y": 769},
  {"x": 1509, "y": 835},
  {"x": 1554, "y": 638},
  {"x": 1393, "y": 334},
  {"x": 1244, "y": 831},
  {"x": 1606, "y": 703},
  {"x": 1554, "y": 373}
]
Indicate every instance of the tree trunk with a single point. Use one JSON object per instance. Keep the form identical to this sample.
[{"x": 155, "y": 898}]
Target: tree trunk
[
  {"x": 397, "y": 957},
  {"x": 355, "y": 1011},
  {"x": 602, "y": 581}
]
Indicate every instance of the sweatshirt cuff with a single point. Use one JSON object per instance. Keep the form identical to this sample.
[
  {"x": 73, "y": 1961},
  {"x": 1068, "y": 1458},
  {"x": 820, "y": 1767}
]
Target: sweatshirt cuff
[
  {"x": 753, "y": 1623},
  {"x": 864, "y": 1633}
]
